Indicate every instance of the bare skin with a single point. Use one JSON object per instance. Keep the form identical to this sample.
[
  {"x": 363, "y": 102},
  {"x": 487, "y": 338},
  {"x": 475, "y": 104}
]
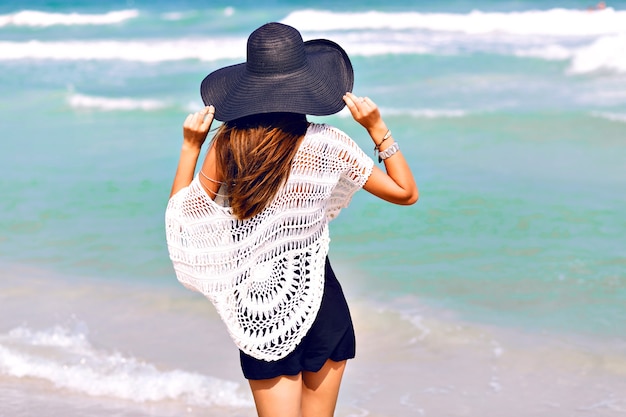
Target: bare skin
[
  {"x": 397, "y": 184},
  {"x": 195, "y": 129},
  {"x": 308, "y": 394}
]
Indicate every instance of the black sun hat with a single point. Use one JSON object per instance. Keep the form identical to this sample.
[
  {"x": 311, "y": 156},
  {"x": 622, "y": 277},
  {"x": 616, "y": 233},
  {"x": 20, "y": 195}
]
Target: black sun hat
[{"x": 281, "y": 74}]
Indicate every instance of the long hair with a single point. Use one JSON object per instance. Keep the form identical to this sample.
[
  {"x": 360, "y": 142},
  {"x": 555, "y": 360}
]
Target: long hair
[{"x": 254, "y": 155}]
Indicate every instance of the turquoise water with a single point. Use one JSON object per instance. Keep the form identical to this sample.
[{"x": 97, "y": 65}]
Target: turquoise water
[{"x": 512, "y": 115}]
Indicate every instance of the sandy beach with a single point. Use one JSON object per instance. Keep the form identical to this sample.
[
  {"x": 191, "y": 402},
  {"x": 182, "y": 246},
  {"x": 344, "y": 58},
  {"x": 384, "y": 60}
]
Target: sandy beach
[
  {"x": 141, "y": 350},
  {"x": 501, "y": 293}
]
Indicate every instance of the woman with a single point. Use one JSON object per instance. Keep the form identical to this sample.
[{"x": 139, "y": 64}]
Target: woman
[{"x": 250, "y": 230}]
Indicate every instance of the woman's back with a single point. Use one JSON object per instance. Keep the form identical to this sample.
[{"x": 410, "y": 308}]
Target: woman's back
[{"x": 237, "y": 263}]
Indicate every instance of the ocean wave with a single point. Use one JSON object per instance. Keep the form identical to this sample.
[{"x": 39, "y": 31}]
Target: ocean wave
[
  {"x": 559, "y": 22},
  {"x": 57, "y": 337},
  {"x": 415, "y": 113},
  {"x": 603, "y": 55},
  {"x": 81, "y": 101},
  {"x": 66, "y": 359},
  {"x": 547, "y": 52},
  {"x": 607, "y": 53},
  {"x": 378, "y": 33},
  {"x": 33, "y": 18},
  {"x": 179, "y": 16},
  {"x": 164, "y": 50},
  {"x": 614, "y": 117},
  {"x": 132, "y": 50},
  {"x": 426, "y": 113}
]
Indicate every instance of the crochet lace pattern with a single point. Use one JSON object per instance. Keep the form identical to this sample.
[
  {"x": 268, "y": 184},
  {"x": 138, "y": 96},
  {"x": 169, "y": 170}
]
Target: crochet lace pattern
[{"x": 265, "y": 275}]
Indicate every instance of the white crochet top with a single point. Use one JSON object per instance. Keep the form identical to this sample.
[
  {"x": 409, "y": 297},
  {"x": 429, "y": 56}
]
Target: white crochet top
[{"x": 265, "y": 275}]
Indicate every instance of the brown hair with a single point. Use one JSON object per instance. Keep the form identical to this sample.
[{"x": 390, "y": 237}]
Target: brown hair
[{"x": 253, "y": 156}]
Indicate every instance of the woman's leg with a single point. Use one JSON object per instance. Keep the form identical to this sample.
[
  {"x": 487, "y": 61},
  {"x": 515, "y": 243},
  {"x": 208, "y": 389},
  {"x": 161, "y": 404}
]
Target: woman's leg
[
  {"x": 277, "y": 397},
  {"x": 321, "y": 389}
]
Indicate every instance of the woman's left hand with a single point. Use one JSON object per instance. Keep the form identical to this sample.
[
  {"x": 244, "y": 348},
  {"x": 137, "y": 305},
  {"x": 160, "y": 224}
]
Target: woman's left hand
[{"x": 196, "y": 127}]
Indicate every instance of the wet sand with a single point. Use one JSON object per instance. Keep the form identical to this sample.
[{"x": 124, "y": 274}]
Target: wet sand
[{"x": 167, "y": 345}]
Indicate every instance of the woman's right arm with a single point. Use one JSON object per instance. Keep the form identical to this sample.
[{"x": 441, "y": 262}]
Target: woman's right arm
[
  {"x": 195, "y": 130},
  {"x": 397, "y": 184}
]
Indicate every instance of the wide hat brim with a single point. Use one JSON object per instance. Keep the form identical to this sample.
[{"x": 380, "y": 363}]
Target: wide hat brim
[{"x": 317, "y": 88}]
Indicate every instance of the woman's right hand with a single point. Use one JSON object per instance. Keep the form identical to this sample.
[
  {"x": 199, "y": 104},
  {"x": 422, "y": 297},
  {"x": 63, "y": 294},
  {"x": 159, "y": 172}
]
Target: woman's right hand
[{"x": 196, "y": 127}]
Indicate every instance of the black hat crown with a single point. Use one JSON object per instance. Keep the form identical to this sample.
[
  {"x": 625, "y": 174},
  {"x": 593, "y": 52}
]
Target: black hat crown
[
  {"x": 275, "y": 49},
  {"x": 281, "y": 74}
]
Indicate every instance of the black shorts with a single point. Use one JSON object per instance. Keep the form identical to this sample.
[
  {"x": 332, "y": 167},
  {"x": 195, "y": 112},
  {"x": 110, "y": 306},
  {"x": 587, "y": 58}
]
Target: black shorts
[{"x": 331, "y": 337}]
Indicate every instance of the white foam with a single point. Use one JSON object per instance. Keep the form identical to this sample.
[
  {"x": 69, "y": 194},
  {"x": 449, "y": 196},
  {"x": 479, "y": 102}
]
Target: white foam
[
  {"x": 425, "y": 113},
  {"x": 382, "y": 48},
  {"x": 593, "y": 41},
  {"x": 607, "y": 53},
  {"x": 611, "y": 404},
  {"x": 548, "y": 52},
  {"x": 561, "y": 22},
  {"x": 495, "y": 385},
  {"x": 56, "y": 337},
  {"x": 174, "y": 16},
  {"x": 417, "y": 113},
  {"x": 163, "y": 50},
  {"x": 42, "y": 19},
  {"x": 418, "y": 322},
  {"x": 151, "y": 50},
  {"x": 614, "y": 117},
  {"x": 80, "y": 101},
  {"x": 438, "y": 113},
  {"x": 497, "y": 349},
  {"x": 215, "y": 49},
  {"x": 70, "y": 362}
]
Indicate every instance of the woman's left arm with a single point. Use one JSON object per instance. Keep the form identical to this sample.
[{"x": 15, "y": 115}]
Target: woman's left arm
[{"x": 195, "y": 130}]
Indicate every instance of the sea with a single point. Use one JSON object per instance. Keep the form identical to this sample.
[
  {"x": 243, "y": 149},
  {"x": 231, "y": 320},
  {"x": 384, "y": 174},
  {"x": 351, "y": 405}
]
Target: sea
[{"x": 501, "y": 293}]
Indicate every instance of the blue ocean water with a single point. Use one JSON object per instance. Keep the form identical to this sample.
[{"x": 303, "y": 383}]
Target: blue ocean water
[{"x": 512, "y": 115}]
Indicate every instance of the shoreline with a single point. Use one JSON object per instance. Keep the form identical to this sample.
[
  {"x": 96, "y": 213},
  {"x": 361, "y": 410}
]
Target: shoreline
[{"x": 406, "y": 360}]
